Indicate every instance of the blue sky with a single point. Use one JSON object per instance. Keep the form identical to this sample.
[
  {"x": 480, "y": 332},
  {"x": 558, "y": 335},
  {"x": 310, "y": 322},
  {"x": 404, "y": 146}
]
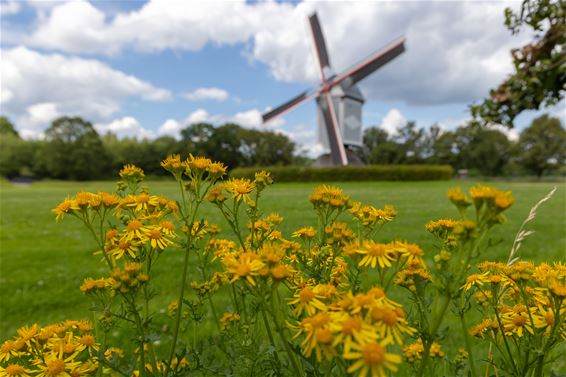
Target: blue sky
[{"x": 146, "y": 69}]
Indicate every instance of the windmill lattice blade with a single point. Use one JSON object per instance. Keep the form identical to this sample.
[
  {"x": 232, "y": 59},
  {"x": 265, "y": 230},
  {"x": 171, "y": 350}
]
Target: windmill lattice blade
[
  {"x": 372, "y": 63},
  {"x": 319, "y": 43},
  {"x": 285, "y": 107},
  {"x": 337, "y": 150}
]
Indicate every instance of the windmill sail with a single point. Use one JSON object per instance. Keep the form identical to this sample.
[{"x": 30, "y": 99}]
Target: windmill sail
[{"x": 338, "y": 98}]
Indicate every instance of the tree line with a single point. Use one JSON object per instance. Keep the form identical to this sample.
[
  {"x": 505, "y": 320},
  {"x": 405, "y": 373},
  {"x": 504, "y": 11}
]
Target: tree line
[
  {"x": 72, "y": 149},
  {"x": 539, "y": 150}
]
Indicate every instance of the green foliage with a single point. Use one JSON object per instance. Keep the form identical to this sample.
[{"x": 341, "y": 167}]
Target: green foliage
[
  {"x": 543, "y": 145},
  {"x": 74, "y": 150},
  {"x": 540, "y": 66},
  {"x": 7, "y": 127},
  {"x": 16, "y": 155},
  {"x": 351, "y": 173},
  {"x": 237, "y": 146}
]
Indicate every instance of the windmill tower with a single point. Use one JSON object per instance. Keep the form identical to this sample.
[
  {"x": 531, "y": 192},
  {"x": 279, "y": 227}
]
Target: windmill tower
[{"x": 339, "y": 100}]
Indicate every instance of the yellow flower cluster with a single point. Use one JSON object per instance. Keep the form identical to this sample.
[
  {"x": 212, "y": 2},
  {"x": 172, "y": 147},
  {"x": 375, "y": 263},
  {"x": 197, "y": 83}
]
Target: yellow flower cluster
[
  {"x": 193, "y": 167},
  {"x": 521, "y": 298},
  {"x": 228, "y": 318},
  {"x": 57, "y": 350},
  {"x": 269, "y": 261},
  {"x": 84, "y": 201},
  {"x": 359, "y": 327},
  {"x": 414, "y": 351},
  {"x": 329, "y": 197},
  {"x": 369, "y": 216}
]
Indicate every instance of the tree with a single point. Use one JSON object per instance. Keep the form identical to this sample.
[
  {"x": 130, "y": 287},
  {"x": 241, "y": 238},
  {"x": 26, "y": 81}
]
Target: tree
[
  {"x": 543, "y": 145},
  {"x": 74, "y": 150},
  {"x": 540, "y": 66},
  {"x": 196, "y": 137},
  {"x": 7, "y": 127},
  {"x": 266, "y": 148},
  {"x": 482, "y": 149}
]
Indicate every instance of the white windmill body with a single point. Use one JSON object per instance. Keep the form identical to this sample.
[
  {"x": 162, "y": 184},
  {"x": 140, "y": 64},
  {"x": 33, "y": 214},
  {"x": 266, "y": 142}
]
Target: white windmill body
[{"x": 348, "y": 102}]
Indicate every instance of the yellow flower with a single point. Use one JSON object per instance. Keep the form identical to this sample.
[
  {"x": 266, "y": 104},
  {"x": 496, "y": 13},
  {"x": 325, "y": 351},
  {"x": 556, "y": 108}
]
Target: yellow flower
[
  {"x": 371, "y": 216},
  {"x": 240, "y": 189},
  {"x": 66, "y": 206},
  {"x": 517, "y": 321},
  {"x": 476, "y": 280},
  {"x": 372, "y": 358},
  {"x": 54, "y": 365},
  {"x": 307, "y": 232},
  {"x": 263, "y": 179},
  {"x": 11, "y": 348},
  {"x": 459, "y": 199},
  {"x": 376, "y": 254},
  {"x": 412, "y": 252},
  {"x": 245, "y": 265},
  {"x": 28, "y": 333},
  {"x": 174, "y": 165},
  {"x": 227, "y": 319},
  {"x": 198, "y": 164},
  {"x": 330, "y": 196},
  {"x": 157, "y": 238},
  {"x": 352, "y": 329},
  {"x": 90, "y": 284},
  {"x": 318, "y": 336},
  {"x": 123, "y": 247},
  {"x": 216, "y": 170},
  {"x": 130, "y": 171},
  {"x": 390, "y": 322},
  {"x": 14, "y": 370},
  {"x": 306, "y": 299},
  {"x": 413, "y": 352}
]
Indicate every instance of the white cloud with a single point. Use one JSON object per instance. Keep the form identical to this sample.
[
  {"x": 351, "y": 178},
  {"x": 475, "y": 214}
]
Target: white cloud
[
  {"x": 445, "y": 62},
  {"x": 124, "y": 127},
  {"x": 70, "y": 85},
  {"x": 42, "y": 114},
  {"x": 198, "y": 116},
  {"x": 170, "y": 128},
  {"x": 9, "y": 7},
  {"x": 393, "y": 121},
  {"x": 200, "y": 94}
]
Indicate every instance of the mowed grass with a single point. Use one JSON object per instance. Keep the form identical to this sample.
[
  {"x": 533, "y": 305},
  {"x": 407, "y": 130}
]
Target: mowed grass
[{"x": 43, "y": 263}]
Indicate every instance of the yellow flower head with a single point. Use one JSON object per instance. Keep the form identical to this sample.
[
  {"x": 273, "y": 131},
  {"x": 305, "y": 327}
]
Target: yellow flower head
[
  {"x": 174, "y": 165},
  {"x": 307, "y": 300},
  {"x": 459, "y": 199},
  {"x": 476, "y": 280},
  {"x": 307, "y": 232},
  {"x": 330, "y": 196},
  {"x": 240, "y": 188},
  {"x": 263, "y": 179},
  {"x": 372, "y": 359},
  {"x": 243, "y": 266},
  {"x": 131, "y": 172},
  {"x": 216, "y": 170},
  {"x": 376, "y": 254},
  {"x": 197, "y": 164},
  {"x": 66, "y": 206}
]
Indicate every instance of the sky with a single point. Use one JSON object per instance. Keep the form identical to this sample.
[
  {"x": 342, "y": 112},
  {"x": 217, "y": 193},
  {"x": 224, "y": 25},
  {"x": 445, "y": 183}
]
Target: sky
[{"x": 146, "y": 69}]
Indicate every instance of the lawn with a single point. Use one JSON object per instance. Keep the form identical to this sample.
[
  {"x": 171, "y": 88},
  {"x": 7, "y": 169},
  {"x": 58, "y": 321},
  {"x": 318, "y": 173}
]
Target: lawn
[{"x": 42, "y": 263}]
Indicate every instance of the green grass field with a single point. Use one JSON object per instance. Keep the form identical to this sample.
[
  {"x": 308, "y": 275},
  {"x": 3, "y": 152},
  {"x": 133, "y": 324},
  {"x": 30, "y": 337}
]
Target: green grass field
[{"x": 42, "y": 263}]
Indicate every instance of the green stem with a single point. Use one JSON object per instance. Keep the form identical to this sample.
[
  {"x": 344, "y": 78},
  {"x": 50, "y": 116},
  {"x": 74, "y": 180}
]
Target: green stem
[
  {"x": 270, "y": 336},
  {"x": 179, "y": 309},
  {"x": 468, "y": 345},
  {"x": 281, "y": 331}
]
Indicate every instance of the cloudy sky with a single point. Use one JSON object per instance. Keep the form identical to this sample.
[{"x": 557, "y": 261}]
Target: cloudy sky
[{"x": 149, "y": 68}]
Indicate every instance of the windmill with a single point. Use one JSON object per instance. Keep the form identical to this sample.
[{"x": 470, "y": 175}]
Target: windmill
[{"x": 339, "y": 100}]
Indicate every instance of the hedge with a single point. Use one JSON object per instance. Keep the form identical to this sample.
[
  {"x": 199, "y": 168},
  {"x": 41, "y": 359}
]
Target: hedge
[{"x": 350, "y": 173}]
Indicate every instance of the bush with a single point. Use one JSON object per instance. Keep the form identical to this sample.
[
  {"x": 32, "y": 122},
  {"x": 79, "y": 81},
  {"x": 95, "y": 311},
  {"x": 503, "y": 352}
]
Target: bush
[{"x": 352, "y": 173}]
